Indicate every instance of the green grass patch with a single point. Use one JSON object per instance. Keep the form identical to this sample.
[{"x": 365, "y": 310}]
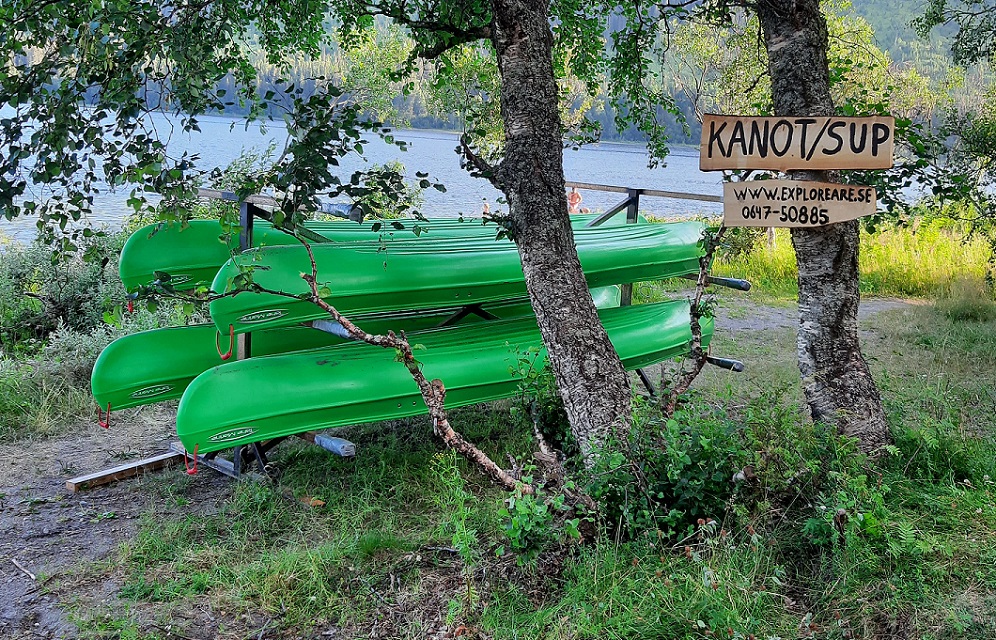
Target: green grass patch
[
  {"x": 35, "y": 401},
  {"x": 385, "y": 524},
  {"x": 407, "y": 539},
  {"x": 968, "y": 299},
  {"x": 920, "y": 262}
]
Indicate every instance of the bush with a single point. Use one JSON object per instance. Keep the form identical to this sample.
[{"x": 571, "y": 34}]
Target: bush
[
  {"x": 539, "y": 400},
  {"x": 740, "y": 242},
  {"x": 677, "y": 471},
  {"x": 40, "y": 290},
  {"x": 56, "y": 315}
]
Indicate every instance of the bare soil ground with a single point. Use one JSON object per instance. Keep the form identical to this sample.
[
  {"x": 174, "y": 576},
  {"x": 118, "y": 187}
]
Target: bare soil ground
[{"x": 52, "y": 532}]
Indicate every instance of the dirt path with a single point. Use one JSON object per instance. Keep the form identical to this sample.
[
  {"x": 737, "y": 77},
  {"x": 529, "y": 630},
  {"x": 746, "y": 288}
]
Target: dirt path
[
  {"x": 736, "y": 315},
  {"x": 51, "y": 532}
]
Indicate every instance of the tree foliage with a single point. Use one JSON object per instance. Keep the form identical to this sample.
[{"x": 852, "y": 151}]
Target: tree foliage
[
  {"x": 83, "y": 84},
  {"x": 975, "y": 39}
]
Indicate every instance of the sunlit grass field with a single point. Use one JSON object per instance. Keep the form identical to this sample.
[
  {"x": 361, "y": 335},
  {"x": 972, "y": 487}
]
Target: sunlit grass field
[{"x": 904, "y": 262}]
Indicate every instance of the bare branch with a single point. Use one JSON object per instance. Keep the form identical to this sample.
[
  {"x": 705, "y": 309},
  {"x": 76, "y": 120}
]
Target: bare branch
[
  {"x": 696, "y": 312},
  {"x": 433, "y": 393}
]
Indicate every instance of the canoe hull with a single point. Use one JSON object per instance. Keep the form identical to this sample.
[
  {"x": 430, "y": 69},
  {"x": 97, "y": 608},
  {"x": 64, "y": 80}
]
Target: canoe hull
[
  {"x": 270, "y": 397},
  {"x": 193, "y": 253},
  {"x": 158, "y": 365},
  {"x": 364, "y": 279}
]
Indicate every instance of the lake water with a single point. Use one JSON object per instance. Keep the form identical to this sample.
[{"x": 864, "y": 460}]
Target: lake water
[{"x": 222, "y": 139}]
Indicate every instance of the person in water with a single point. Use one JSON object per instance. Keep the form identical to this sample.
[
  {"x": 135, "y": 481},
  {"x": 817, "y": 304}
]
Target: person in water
[{"x": 574, "y": 201}]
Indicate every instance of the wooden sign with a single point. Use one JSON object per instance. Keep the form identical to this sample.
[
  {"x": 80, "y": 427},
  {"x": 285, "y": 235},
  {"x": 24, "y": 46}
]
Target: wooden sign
[
  {"x": 781, "y": 144},
  {"x": 793, "y": 203}
]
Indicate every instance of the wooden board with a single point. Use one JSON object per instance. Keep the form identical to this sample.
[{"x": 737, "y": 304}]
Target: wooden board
[
  {"x": 781, "y": 144},
  {"x": 129, "y": 470},
  {"x": 793, "y": 203}
]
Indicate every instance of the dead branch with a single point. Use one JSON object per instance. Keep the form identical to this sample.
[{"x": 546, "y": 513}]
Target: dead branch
[
  {"x": 433, "y": 393},
  {"x": 696, "y": 312}
]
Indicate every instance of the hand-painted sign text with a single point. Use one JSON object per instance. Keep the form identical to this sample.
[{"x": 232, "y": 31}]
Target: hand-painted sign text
[
  {"x": 791, "y": 203},
  {"x": 782, "y": 144}
]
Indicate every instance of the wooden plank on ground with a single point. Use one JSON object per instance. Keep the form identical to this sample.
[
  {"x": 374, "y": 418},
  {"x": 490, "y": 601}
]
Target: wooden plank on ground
[{"x": 128, "y": 470}]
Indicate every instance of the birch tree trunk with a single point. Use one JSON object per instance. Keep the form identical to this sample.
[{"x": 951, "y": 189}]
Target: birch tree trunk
[
  {"x": 838, "y": 386},
  {"x": 591, "y": 378}
]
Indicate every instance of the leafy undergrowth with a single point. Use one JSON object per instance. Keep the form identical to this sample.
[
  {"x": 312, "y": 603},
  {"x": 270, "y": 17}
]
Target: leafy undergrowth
[
  {"x": 55, "y": 318},
  {"x": 810, "y": 540}
]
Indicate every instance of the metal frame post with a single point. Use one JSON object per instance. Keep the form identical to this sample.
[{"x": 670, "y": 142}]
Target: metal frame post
[
  {"x": 632, "y": 215},
  {"x": 247, "y": 212},
  {"x": 244, "y": 340}
]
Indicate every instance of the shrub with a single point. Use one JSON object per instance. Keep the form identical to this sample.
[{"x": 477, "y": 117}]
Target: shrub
[
  {"x": 57, "y": 312},
  {"x": 676, "y": 471},
  {"x": 740, "y": 242},
  {"x": 40, "y": 290},
  {"x": 540, "y": 401}
]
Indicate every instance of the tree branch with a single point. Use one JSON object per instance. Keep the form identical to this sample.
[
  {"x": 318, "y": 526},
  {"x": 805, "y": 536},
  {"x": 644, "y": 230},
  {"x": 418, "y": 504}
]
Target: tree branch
[
  {"x": 433, "y": 392},
  {"x": 696, "y": 312},
  {"x": 479, "y": 166}
]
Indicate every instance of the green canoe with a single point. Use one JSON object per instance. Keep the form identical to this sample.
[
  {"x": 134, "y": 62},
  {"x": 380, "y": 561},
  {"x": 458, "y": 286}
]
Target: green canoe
[
  {"x": 157, "y": 365},
  {"x": 269, "y": 397},
  {"x": 445, "y": 273},
  {"x": 192, "y": 254}
]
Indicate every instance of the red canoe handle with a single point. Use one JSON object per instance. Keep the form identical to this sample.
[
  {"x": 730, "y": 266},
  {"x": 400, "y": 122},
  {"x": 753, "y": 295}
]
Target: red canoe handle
[
  {"x": 104, "y": 422},
  {"x": 190, "y": 470},
  {"x": 231, "y": 342}
]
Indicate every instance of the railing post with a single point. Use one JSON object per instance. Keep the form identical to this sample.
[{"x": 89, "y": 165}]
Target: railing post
[
  {"x": 246, "y": 215},
  {"x": 633, "y": 208},
  {"x": 632, "y": 214},
  {"x": 245, "y": 225}
]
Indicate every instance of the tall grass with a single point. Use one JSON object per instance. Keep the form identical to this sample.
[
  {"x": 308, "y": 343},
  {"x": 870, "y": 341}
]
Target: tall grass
[{"x": 903, "y": 262}]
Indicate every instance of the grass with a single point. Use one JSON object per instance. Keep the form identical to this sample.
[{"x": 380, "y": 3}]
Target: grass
[
  {"x": 34, "y": 402},
  {"x": 896, "y": 262},
  {"x": 406, "y": 541},
  {"x": 387, "y": 554}
]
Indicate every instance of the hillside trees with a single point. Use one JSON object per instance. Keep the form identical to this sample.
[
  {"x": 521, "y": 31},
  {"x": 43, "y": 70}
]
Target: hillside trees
[{"x": 975, "y": 39}]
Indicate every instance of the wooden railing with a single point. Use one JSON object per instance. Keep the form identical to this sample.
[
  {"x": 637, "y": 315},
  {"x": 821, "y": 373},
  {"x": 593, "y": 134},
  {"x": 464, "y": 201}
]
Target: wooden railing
[{"x": 631, "y": 205}]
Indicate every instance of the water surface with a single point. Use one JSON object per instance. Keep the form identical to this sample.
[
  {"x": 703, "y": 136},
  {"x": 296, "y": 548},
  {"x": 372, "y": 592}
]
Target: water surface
[{"x": 222, "y": 139}]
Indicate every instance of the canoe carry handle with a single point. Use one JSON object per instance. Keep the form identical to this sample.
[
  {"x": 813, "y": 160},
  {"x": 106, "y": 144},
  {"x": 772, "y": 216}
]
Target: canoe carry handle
[
  {"x": 726, "y": 363},
  {"x": 190, "y": 470},
  {"x": 105, "y": 422},
  {"x": 130, "y": 299},
  {"x": 231, "y": 342}
]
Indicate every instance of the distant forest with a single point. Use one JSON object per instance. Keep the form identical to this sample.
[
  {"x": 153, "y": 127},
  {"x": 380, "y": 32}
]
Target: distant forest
[{"x": 930, "y": 57}]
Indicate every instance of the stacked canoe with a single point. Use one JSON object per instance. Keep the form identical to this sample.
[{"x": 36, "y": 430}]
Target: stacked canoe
[{"x": 300, "y": 378}]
